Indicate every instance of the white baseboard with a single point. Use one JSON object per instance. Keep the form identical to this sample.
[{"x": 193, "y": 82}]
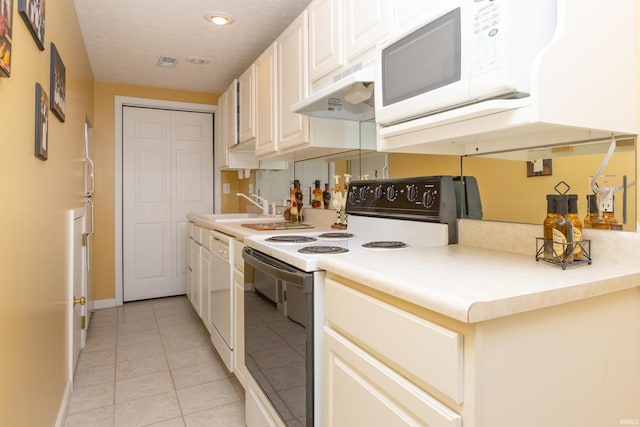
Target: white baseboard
[
  {"x": 64, "y": 405},
  {"x": 104, "y": 303}
]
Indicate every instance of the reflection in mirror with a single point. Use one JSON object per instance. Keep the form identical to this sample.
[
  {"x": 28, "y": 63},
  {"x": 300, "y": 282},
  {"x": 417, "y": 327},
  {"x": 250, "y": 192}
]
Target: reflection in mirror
[
  {"x": 514, "y": 185},
  {"x": 275, "y": 185}
]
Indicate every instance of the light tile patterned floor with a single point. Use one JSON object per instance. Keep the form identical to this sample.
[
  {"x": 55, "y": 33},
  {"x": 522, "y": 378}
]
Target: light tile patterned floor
[{"x": 151, "y": 363}]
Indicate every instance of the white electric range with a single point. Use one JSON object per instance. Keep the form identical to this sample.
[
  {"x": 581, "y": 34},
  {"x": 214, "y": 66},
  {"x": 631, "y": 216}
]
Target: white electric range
[{"x": 284, "y": 289}]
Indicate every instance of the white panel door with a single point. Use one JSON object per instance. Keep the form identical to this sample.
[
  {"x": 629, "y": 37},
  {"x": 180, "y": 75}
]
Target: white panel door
[
  {"x": 192, "y": 183},
  {"x": 167, "y": 172}
]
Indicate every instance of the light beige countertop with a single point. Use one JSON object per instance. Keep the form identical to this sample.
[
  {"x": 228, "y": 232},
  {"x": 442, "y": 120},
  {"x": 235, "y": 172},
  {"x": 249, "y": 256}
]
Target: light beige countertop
[{"x": 473, "y": 282}]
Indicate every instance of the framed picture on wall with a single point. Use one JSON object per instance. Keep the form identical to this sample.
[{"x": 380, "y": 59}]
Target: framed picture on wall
[
  {"x": 540, "y": 167},
  {"x": 32, "y": 11},
  {"x": 57, "y": 87},
  {"x": 42, "y": 123},
  {"x": 6, "y": 24}
]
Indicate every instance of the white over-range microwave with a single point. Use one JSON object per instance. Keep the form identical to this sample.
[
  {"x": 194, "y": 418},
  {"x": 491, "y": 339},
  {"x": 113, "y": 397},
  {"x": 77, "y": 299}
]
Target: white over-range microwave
[{"x": 465, "y": 52}]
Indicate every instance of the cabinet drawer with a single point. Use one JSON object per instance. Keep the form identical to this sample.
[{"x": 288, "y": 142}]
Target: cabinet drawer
[
  {"x": 238, "y": 261},
  {"x": 360, "y": 390},
  {"x": 423, "y": 351},
  {"x": 190, "y": 229},
  {"x": 197, "y": 234},
  {"x": 205, "y": 236}
]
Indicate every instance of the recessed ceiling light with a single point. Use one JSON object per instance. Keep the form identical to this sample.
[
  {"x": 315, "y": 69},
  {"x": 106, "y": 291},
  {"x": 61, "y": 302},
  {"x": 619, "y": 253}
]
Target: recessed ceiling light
[
  {"x": 197, "y": 60},
  {"x": 218, "y": 18}
]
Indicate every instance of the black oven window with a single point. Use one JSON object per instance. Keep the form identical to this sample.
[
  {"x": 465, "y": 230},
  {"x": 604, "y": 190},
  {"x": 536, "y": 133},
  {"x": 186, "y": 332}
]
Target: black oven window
[{"x": 275, "y": 348}]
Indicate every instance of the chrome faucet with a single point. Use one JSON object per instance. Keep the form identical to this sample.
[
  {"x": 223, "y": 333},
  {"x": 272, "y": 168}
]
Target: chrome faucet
[{"x": 264, "y": 203}]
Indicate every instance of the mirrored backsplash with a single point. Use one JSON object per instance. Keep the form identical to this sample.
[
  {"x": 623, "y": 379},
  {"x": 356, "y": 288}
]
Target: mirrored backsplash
[
  {"x": 513, "y": 185},
  {"x": 275, "y": 185}
]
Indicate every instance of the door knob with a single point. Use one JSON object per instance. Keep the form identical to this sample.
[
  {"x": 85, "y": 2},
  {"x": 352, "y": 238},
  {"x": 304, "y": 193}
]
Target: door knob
[{"x": 81, "y": 301}]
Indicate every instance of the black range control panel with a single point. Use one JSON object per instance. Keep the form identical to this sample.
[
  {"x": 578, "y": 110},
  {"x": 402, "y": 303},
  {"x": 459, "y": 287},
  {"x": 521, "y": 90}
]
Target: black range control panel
[{"x": 425, "y": 198}]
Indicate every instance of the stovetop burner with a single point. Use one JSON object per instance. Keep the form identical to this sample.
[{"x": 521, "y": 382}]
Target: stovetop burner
[
  {"x": 336, "y": 235},
  {"x": 323, "y": 250},
  {"x": 384, "y": 245},
  {"x": 291, "y": 238}
]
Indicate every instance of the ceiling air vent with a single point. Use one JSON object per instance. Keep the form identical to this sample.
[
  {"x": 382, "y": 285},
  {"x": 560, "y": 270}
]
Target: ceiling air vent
[{"x": 167, "y": 61}]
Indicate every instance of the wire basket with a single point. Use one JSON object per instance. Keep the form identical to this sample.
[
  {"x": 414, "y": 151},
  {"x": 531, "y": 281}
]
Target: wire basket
[{"x": 562, "y": 253}]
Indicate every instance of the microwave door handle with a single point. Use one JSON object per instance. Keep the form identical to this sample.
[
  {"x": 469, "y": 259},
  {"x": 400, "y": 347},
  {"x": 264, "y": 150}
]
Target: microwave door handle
[{"x": 275, "y": 269}]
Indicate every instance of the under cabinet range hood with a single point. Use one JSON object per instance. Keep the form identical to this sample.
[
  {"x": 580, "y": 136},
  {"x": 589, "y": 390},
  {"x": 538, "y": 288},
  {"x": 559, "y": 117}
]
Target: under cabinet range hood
[{"x": 349, "y": 97}]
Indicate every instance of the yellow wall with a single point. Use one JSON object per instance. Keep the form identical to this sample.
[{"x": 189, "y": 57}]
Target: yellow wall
[
  {"x": 34, "y": 198},
  {"x": 407, "y": 165},
  {"x": 104, "y": 153},
  {"x": 231, "y": 203}
]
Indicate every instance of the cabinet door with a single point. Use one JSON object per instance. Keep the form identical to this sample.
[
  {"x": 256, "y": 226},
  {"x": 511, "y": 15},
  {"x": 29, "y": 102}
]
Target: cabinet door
[
  {"x": 293, "y": 129},
  {"x": 222, "y": 151},
  {"x": 412, "y": 12},
  {"x": 205, "y": 285},
  {"x": 247, "y": 105},
  {"x": 195, "y": 276},
  {"x": 366, "y": 23},
  {"x": 359, "y": 390},
  {"x": 231, "y": 114},
  {"x": 326, "y": 44},
  {"x": 266, "y": 142}
]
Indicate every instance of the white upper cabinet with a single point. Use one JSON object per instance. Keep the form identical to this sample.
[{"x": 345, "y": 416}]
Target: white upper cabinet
[
  {"x": 293, "y": 129},
  {"x": 266, "y": 137},
  {"x": 229, "y": 153},
  {"x": 411, "y": 12},
  {"x": 231, "y": 115},
  {"x": 326, "y": 37},
  {"x": 221, "y": 149},
  {"x": 343, "y": 33},
  {"x": 366, "y": 23},
  {"x": 247, "y": 105}
]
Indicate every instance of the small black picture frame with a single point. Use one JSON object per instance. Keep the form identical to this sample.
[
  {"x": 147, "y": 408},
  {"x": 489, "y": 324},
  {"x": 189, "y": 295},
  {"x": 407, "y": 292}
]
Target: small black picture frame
[
  {"x": 32, "y": 12},
  {"x": 57, "y": 86},
  {"x": 6, "y": 26},
  {"x": 42, "y": 123},
  {"x": 540, "y": 167}
]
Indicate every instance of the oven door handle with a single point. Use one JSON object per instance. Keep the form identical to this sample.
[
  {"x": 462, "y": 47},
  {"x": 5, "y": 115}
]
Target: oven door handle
[{"x": 277, "y": 268}]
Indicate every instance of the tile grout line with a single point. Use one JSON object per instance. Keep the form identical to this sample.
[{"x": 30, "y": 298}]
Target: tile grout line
[{"x": 164, "y": 353}]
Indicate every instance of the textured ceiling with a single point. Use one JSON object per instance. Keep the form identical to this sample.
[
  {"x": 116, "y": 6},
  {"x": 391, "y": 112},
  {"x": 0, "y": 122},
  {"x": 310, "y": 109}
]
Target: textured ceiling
[{"x": 125, "y": 38}]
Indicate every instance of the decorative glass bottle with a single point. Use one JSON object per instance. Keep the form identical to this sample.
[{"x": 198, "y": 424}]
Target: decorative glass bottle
[
  {"x": 562, "y": 231},
  {"x": 577, "y": 227},
  {"x": 548, "y": 226}
]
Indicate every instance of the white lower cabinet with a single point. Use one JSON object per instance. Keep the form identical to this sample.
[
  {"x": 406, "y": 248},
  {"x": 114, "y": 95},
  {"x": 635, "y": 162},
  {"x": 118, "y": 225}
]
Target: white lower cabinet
[
  {"x": 388, "y": 362},
  {"x": 386, "y": 384},
  {"x": 361, "y": 390},
  {"x": 205, "y": 279},
  {"x": 194, "y": 280}
]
